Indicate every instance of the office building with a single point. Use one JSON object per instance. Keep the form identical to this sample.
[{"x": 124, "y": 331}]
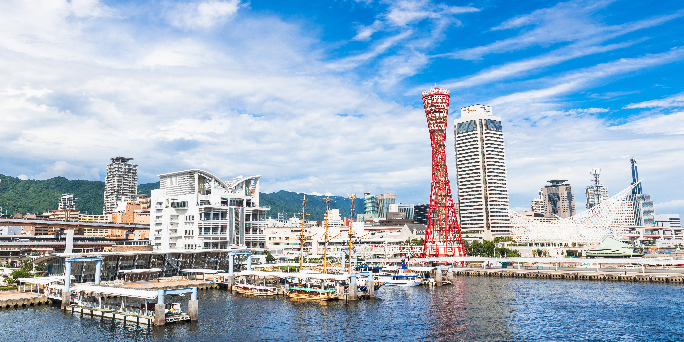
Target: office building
[
  {"x": 420, "y": 213},
  {"x": 407, "y": 209},
  {"x": 667, "y": 220},
  {"x": 481, "y": 174},
  {"x": 384, "y": 202},
  {"x": 596, "y": 193},
  {"x": 121, "y": 183}
]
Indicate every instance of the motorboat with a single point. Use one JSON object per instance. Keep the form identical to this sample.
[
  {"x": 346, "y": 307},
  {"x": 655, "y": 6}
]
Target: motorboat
[
  {"x": 311, "y": 293},
  {"x": 401, "y": 279}
]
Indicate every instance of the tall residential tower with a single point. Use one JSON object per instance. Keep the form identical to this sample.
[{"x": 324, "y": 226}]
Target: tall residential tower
[
  {"x": 481, "y": 174},
  {"x": 121, "y": 183}
]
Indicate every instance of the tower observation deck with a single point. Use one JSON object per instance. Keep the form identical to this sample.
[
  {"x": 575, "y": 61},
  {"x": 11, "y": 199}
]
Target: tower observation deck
[{"x": 442, "y": 235}]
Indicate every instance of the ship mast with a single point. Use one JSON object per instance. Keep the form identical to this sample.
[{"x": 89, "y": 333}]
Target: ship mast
[
  {"x": 351, "y": 234},
  {"x": 301, "y": 236},
  {"x": 325, "y": 249}
]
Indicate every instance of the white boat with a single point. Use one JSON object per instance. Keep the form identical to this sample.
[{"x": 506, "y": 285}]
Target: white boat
[{"x": 402, "y": 279}]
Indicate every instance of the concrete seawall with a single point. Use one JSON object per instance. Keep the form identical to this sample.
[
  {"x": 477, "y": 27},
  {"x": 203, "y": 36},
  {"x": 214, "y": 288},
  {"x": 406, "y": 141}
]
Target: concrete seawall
[
  {"x": 21, "y": 299},
  {"x": 673, "y": 278}
]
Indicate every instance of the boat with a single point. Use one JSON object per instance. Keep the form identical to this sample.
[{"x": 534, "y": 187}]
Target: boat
[
  {"x": 402, "y": 279},
  {"x": 611, "y": 248},
  {"x": 255, "y": 290},
  {"x": 311, "y": 293}
]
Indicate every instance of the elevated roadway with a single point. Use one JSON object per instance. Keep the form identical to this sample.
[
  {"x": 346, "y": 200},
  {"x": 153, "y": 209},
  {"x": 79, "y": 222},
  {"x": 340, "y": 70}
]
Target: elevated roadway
[{"x": 70, "y": 225}]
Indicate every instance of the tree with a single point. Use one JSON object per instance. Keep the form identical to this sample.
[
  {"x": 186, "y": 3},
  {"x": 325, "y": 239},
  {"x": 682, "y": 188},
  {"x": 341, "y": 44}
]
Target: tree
[{"x": 269, "y": 257}]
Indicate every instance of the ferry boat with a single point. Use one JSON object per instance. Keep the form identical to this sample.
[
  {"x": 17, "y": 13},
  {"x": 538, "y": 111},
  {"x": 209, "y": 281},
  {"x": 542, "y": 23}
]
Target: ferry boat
[
  {"x": 611, "y": 248},
  {"x": 311, "y": 293},
  {"x": 255, "y": 290}
]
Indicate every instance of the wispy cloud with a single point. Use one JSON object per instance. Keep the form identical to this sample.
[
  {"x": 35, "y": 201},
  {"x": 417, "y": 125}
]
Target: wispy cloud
[
  {"x": 403, "y": 13},
  {"x": 585, "y": 77},
  {"x": 202, "y": 15},
  {"x": 675, "y": 204},
  {"x": 564, "y": 23},
  {"x": 525, "y": 67},
  {"x": 378, "y": 49},
  {"x": 674, "y": 101}
]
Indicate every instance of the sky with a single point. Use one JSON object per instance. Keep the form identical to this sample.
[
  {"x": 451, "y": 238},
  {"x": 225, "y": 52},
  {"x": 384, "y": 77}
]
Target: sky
[{"x": 324, "y": 96}]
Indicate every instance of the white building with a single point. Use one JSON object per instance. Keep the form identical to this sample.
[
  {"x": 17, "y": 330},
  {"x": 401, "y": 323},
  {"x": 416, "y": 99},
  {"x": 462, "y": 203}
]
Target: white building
[
  {"x": 667, "y": 220},
  {"x": 196, "y": 210},
  {"x": 121, "y": 183},
  {"x": 481, "y": 174}
]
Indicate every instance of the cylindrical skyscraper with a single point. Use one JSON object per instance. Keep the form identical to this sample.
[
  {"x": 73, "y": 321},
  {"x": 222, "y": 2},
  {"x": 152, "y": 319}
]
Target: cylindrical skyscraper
[{"x": 442, "y": 235}]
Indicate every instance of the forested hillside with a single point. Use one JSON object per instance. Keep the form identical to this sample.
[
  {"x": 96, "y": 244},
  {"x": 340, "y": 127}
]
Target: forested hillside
[
  {"x": 147, "y": 188},
  {"x": 291, "y": 203},
  {"x": 36, "y": 196}
]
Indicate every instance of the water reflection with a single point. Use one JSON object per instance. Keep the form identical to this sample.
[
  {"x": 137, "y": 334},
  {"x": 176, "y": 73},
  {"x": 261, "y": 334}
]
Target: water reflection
[{"x": 473, "y": 309}]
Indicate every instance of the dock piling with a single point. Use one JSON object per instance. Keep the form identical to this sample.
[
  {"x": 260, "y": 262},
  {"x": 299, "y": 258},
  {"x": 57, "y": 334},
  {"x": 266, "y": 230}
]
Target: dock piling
[
  {"x": 159, "y": 314},
  {"x": 193, "y": 306}
]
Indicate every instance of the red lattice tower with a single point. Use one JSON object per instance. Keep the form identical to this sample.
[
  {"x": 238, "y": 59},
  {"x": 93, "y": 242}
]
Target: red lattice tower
[{"x": 442, "y": 235}]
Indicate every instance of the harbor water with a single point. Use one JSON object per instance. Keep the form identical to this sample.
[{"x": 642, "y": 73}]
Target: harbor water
[{"x": 473, "y": 309}]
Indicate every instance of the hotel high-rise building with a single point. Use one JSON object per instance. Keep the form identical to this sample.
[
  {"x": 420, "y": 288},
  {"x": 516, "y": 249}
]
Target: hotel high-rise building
[
  {"x": 121, "y": 183},
  {"x": 557, "y": 199},
  {"x": 481, "y": 174}
]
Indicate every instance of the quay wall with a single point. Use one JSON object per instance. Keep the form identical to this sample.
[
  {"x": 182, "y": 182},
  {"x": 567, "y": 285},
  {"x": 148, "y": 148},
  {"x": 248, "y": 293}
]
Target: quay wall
[
  {"x": 671, "y": 278},
  {"x": 19, "y": 299}
]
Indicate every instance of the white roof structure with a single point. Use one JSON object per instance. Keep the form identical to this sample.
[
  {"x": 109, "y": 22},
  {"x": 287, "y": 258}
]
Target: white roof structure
[
  {"x": 43, "y": 280},
  {"x": 146, "y": 270},
  {"x": 199, "y": 270},
  {"x": 294, "y": 275},
  {"x": 590, "y": 226},
  {"x": 116, "y": 291}
]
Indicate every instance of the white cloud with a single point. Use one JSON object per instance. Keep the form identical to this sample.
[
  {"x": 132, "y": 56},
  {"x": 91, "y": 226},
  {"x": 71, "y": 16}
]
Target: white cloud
[
  {"x": 23, "y": 177},
  {"x": 669, "y": 102},
  {"x": 64, "y": 169},
  {"x": 674, "y": 204},
  {"x": 658, "y": 124},
  {"x": 586, "y": 77},
  {"x": 203, "y": 15},
  {"x": 565, "y": 22}
]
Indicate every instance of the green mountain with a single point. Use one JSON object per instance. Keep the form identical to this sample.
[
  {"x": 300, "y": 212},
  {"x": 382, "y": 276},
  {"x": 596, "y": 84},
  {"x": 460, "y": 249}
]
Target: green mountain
[
  {"x": 291, "y": 203},
  {"x": 147, "y": 188},
  {"x": 36, "y": 196}
]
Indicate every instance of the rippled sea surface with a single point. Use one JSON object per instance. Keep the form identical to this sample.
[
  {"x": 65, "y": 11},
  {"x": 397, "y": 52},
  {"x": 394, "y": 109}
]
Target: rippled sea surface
[{"x": 473, "y": 309}]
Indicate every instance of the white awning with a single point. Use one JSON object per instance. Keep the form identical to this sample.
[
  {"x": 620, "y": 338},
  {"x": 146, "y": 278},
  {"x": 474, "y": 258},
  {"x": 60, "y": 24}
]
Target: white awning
[
  {"x": 200, "y": 270},
  {"x": 294, "y": 275},
  {"x": 116, "y": 291},
  {"x": 145, "y": 270},
  {"x": 44, "y": 280}
]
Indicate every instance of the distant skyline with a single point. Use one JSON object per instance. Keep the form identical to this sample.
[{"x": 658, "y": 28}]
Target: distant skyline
[{"x": 324, "y": 96}]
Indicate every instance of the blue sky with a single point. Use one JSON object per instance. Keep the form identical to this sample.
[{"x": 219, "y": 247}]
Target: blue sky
[{"x": 324, "y": 96}]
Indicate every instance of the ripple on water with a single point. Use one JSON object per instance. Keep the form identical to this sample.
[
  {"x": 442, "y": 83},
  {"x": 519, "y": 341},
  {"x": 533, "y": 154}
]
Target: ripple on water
[{"x": 473, "y": 309}]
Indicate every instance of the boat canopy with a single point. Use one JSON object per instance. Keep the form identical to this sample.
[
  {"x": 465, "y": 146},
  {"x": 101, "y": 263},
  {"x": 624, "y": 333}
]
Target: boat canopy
[
  {"x": 116, "y": 291},
  {"x": 146, "y": 270},
  {"x": 294, "y": 275},
  {"x": 200, "y": 270}
]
